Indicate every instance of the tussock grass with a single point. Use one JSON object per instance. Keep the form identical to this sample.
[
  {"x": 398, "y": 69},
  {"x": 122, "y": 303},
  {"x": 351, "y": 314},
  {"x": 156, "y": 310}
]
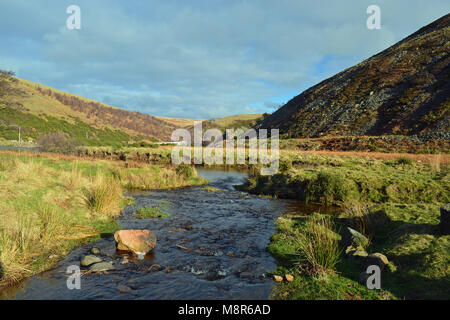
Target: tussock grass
[
  {"x": 74, "y": 179},
  {"x": 312, "y": 244},
  {"x": 319, "y": 244},
  {"x": 103, "y": 195}
]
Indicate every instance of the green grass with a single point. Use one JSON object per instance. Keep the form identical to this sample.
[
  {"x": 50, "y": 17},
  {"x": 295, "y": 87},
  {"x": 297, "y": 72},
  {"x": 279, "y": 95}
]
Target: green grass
[
  {"x": 395, "y": 203},
  {"x": 151, "y": 212},
  {"x": 33, "y": 126},
  {"x": 337, "y": 180}
]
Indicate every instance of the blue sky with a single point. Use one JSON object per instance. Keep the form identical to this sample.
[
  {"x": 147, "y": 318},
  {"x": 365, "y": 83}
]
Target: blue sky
[{"x": 198, "y": 58}]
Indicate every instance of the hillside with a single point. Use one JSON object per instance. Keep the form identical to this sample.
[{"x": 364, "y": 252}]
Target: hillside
[
  {"x": 404, "y": 90},
  {"x": 39, "y": 109},
  {"x": 232, "y": 122}
]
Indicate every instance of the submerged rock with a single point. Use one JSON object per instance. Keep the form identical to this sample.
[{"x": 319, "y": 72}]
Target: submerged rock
[
  {"x": 246, "y": 275},
  {"x": 139, "y": 242},
  {"x": 102, "y": 266},
  {"x": 124, "y": 289},
  {"x": 89, "y": 259}
]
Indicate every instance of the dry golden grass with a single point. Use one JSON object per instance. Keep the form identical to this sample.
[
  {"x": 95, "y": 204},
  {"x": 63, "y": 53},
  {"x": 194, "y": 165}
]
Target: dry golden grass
[
  {"x": 103, "y": 195},
  {"x": 424, "y": 158}
]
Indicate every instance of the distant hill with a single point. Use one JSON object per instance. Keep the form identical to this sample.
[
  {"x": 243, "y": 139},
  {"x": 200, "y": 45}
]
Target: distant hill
[
  {"x": 179, "y": 122},
  {"x": 244, "y": 121},
  {"x": 38, "y": 109},
  {"x": 404, "y": 90}
]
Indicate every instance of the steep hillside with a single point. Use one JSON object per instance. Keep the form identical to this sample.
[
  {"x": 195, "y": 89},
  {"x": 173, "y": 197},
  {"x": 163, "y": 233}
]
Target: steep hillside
[
  {"x": 38, "y": 109},
  {"x": 404, "y": 90}
]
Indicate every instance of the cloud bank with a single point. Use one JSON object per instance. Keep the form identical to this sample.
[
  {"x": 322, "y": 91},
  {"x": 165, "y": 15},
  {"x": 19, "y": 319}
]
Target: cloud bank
[{"x": 202, "y": 58}]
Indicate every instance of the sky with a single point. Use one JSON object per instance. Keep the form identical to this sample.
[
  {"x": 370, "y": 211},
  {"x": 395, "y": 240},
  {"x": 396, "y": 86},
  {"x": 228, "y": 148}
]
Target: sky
[{"x": 198, "y": 58}]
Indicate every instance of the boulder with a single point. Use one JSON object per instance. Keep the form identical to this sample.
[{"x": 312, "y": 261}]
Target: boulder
[
  {"x": 89, "y": 259},
  {"x": 445, "y": 219},
  {"x": 101, "y": 266},
  {"x": 351, "y": 237},
  {"x": 289, "y": 277},
  {"x": 136, "y": 241},
  {"x": 376, "y": 259}
]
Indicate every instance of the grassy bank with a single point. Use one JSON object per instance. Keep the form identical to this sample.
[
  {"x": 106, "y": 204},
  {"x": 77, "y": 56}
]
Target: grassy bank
[
  {"x": 52, "y": 203},
  {"x": 340, "y": 180},
  {"x": 394, "y": 203}
]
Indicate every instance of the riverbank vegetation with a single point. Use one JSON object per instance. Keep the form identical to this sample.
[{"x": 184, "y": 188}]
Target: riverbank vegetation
[
  {"x": 52, "y": 203},
  {"x": 393, "y": 203}
]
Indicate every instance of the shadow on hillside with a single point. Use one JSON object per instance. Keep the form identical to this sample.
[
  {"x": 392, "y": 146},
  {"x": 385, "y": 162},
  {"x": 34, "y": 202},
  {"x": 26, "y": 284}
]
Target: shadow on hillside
[{"x": 379, "y": 225}]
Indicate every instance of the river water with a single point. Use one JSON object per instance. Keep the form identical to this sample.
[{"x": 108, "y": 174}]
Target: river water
[{"x": 213, "y": 246}]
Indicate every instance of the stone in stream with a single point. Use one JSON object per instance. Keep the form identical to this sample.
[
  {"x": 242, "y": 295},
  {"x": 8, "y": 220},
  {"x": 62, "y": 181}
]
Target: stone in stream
[
  {"x": 445, "y": 219},
  {"x": 95, "y": 251},
  {"x": 139, "y": 242},
  {"x": 124, "y": 289},
  {"x": 101, "y": 266},
  {"x": 89, "y": 259}
]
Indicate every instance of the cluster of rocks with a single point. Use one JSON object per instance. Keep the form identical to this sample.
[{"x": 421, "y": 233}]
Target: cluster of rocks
[
  {"x": 287, "y": 277},
  {"x": 355, "y": 244},
  {"x": 95, "y": 263},
  {"x": 139, "y": 242}
]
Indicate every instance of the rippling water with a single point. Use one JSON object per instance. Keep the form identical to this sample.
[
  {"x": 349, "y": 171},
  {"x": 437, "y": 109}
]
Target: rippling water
[{"x": 213, "y": 246}]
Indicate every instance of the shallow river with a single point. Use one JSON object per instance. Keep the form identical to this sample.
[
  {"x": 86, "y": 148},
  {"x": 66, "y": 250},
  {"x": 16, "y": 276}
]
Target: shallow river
[{"x": 213, "y": 246}]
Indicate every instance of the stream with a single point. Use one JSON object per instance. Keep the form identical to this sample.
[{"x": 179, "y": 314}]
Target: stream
[{"x": 212, "y": 246}]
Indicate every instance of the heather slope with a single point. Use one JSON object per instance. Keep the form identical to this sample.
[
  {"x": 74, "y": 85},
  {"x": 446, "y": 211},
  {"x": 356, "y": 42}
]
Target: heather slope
[{"x": 403, "y": 90}]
